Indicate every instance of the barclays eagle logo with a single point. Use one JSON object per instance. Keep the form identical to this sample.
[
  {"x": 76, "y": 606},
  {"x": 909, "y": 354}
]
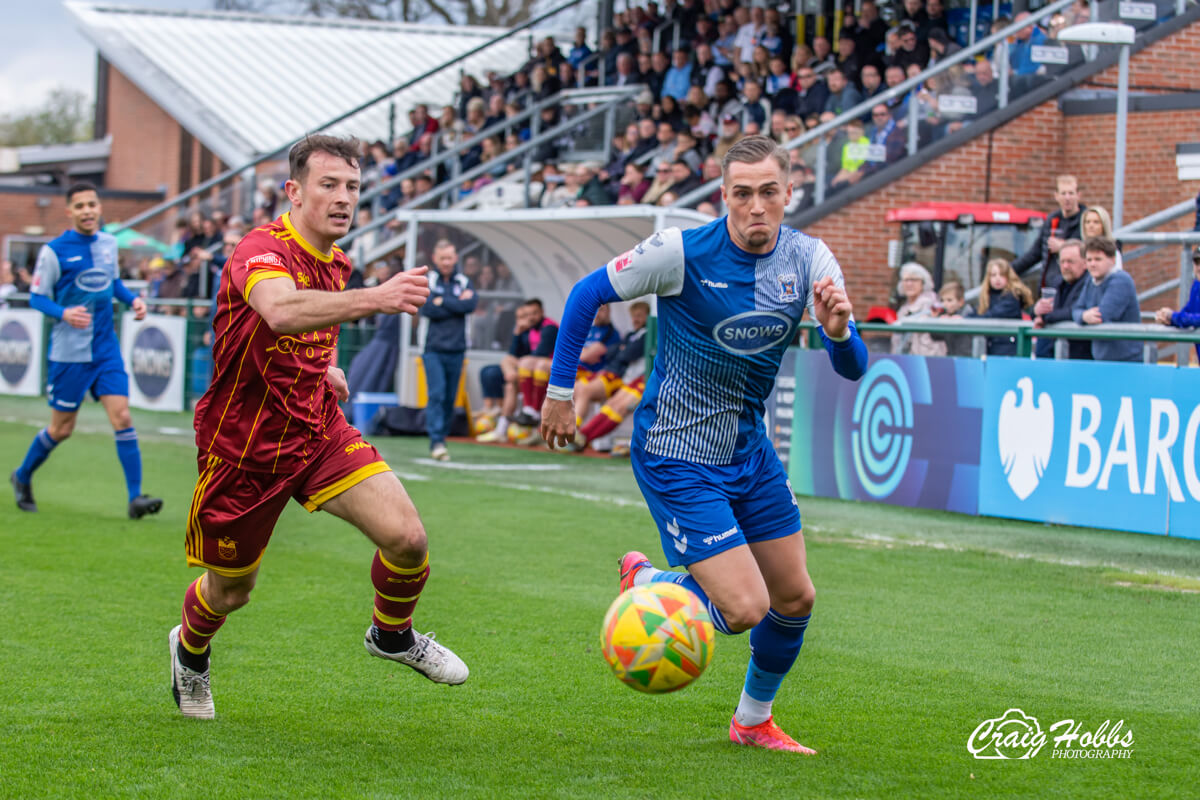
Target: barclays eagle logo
[{"x": 1026, "y": 432}]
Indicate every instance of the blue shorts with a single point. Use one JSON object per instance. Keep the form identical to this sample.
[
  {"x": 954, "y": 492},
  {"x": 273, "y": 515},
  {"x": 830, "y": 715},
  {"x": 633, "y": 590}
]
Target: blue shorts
[
  {"x": 702, "y": 510},
  {"x": 70, "y": 381}
]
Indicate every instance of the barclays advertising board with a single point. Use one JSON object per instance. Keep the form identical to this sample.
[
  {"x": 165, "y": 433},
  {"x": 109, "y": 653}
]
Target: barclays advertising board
[
  {"x": 906, "y": 433},
  {"x": 1088, "y": 443}
]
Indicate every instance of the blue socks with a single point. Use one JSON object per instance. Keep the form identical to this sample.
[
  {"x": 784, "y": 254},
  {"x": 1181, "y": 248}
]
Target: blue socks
[
  {"x": 131, "y": 460},
  {"x": 775, "y": 643},
  {"x": 38, "y": 452}
]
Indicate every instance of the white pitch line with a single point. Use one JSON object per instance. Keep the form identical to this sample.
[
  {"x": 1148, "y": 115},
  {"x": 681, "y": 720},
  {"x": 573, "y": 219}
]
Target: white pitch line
[{"x": 466, "y": 467}]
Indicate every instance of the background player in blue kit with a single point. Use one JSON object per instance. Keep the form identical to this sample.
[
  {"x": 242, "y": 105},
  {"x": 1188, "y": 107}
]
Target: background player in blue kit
[
  {"x": 75, "y": 281},
  {"x": 729, "y": 296}
]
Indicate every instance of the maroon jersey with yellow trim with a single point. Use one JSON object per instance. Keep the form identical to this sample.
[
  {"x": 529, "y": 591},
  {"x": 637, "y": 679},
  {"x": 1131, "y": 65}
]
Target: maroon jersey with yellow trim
[{"x": 269, "y": 403}]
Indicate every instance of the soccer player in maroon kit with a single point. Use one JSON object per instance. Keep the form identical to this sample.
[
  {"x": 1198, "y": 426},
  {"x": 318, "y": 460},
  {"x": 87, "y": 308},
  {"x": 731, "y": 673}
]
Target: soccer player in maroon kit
[{"x": 269, "y": 428}]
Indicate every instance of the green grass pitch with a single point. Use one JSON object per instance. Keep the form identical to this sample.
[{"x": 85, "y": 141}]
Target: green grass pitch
[{"x": 926, "y": 624}]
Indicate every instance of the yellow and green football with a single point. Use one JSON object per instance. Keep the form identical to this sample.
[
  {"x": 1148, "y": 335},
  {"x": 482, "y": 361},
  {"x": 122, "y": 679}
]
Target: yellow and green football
[{"x": 657, "y": 638}]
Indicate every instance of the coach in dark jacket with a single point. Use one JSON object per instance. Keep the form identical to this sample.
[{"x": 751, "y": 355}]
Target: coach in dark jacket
[
  {"x": 1049, "y": 312},
  {"x": 451, "y": 300}
]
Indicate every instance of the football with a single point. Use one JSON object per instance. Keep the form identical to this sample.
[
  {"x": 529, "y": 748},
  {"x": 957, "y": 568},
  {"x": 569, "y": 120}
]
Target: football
[
  {"x": 516, "y": 432},
  {"x": 657, "y": 638}
]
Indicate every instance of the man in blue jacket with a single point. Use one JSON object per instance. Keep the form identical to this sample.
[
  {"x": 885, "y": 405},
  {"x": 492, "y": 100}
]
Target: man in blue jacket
[
  {"x": 1189, "y": 315},
  {"x": 1109, "y": 296},
  {"x": 75, "y": 281},
  {"x": 451, "y": 300}
]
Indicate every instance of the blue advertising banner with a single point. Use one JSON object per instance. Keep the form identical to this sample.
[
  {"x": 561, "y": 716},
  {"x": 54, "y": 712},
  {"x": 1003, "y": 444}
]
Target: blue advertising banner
[
  {"x": 907, "y": 433},
  {"x": 1090, "y": 443}
]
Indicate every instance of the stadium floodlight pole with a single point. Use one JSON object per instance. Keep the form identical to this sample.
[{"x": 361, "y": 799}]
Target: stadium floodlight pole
[
  {"x": 1122, "y": 35},
  {"x": 270, "y": 154}
]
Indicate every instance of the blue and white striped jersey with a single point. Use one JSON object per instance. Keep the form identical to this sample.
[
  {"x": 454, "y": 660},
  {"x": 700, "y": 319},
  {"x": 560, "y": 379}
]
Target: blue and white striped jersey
[
  {"x": 78, "y": 270},
  {"x": 725, "y": 318}
]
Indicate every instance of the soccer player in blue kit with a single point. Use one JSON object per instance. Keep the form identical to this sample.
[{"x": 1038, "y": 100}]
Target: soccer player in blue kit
[
  {"x": 75, "y": 281},
  {"x": 729, "y": 296}
]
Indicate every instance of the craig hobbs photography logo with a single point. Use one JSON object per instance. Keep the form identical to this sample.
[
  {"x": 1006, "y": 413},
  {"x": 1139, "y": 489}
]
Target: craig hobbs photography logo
[{"x": 1017, "y": 735}]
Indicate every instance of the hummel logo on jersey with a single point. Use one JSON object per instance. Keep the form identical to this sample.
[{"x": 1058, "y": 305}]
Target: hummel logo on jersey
[
  {"x": 75, "y": 258},
  {"x": 714, "y": 284},
  {"x": 680, "y": 540}
]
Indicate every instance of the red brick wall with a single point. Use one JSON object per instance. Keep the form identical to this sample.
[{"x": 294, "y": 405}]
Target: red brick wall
[
  {"x": 145, "y": 150},
  {"x": 20, "y": 213},
  {"x": 1026, "y": 155}
]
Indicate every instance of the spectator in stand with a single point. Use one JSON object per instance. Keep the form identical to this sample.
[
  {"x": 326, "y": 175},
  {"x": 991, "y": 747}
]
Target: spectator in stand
[
  {"x": 951, "y": 300},
  {"x": 778, "y": 80},
  {"x": 591, "y": 190},
  {"x": 885, "y": 131},
  {"x": 916, "y": 286},
  {"x": 626, "y": 73},
  {"x": 983, "y": 88},
  {"x": 558, "y": 189},
  {"x": 811, "y": 92},
  {"x": 751, "y": 27},
  {"x": 843, "y": 96},
  {"x": 913, "y": 13},
  {"x": 912, "y": 50},
  {"x": 935, "y": 20},
  {"x": 1020, "y": 52},
  {"x": 869, "y": 32},
  {"x": 1005, "y": 297},
  {"x": 634, "y": 184},
  {"x": 451, "y": 300},
  {"x": 1189, "y": 315},
  {"x": 705, "y": 33},
  {"x": 872, "y": 82},
  {"x": 1056, "y": 305},
  {"x": 668, "y": 111},
  {"x": 1096, "y": 222},
  {"x": 706, "y": 73},
  {"x": 730, "y": 134},
  {"x": 847, "y": 60},
  {"x": 678, "y": 78},
  {"x": 541, "y": 83},
  {"x": 1108, "y": 296},
  {"x": 854, "y": 152},
  {"x": 495, "y": 111},
  {"x": 760, "y": 64},
  {"x": 725, "y": 101},
  {"x": 422, "y": 124},
  {"x": 685, "y": 179},
  {"x": 580, "y": 51},
  {"x": 754, "y": 107},
  {"x": 664, "y": 153},
  {"x": 822, "y": 55},
  {"x": 1061, "y": 225},
  {"x": 656, "y": 77},
  {"x": 687, "y": 151},
  {"x": 647, "y": 139},
  {"x": 725, "y": 46},
  {"x": 468, "y": 89},
  {"x": 940, "y": 46}
]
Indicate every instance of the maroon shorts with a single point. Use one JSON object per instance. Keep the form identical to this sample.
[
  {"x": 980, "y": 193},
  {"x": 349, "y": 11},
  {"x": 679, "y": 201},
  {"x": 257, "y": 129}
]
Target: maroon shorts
[{"x": 234, "y": 510}]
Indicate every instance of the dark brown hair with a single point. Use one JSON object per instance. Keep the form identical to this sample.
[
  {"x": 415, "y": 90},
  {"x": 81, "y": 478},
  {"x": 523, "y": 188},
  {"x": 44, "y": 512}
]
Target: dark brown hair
[
  {"x": 1099, "y": 244},
  {"x": 344, "y": 147},
  {"x": 753, "y": 149}
]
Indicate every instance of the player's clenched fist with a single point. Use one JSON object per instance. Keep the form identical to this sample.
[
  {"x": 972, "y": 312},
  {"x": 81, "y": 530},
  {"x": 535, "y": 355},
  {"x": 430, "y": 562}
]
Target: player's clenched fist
[
  {"x": 832, "y": 307},
  {"x": 404, "y": 292}
]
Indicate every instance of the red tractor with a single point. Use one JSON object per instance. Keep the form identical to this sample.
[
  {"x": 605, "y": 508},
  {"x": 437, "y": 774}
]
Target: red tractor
[{"x": 956, "y": 240}]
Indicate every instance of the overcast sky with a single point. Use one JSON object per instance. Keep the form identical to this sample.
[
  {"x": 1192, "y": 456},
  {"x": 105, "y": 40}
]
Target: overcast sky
[{"x": 43, "y": 49}]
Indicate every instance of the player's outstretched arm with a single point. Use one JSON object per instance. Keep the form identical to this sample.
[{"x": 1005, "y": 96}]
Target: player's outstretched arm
[
  {"x": 833, "y": 311},
  {"x": 287, "y": 309},
  {"x": 558, "y": 412}
]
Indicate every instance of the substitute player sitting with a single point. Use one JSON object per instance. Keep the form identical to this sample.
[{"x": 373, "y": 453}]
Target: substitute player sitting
[
  {"x": 526, "y": 369},
  {"x": 269, "y": 428},
  {"x": 74, "y": 282},
  {"x": 729, "y": 296},
  {"x": 621, "y": 384}
]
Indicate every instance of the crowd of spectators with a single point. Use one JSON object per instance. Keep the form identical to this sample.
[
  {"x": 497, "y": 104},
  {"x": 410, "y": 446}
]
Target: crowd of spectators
[{"x": 714, "y": 71}]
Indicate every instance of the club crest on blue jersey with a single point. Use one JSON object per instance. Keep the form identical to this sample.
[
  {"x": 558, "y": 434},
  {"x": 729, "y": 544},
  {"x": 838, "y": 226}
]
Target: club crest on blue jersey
[{"x": 787, "y": 289}]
